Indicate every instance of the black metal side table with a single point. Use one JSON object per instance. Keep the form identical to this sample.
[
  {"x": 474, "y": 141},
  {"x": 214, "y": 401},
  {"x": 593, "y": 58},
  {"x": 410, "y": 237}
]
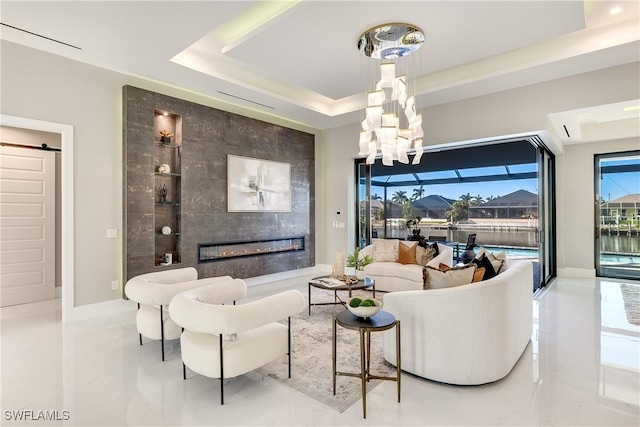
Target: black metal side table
[{"x": 381, "y": 321}]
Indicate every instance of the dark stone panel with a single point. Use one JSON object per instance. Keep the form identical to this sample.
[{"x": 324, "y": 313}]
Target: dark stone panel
[
  {"x": 208, "y": 136},
  {"x": 137, "y": 265}
]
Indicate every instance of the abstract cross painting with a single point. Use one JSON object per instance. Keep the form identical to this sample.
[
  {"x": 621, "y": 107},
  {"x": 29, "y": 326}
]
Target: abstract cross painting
[{"x": 258, "y": 185}]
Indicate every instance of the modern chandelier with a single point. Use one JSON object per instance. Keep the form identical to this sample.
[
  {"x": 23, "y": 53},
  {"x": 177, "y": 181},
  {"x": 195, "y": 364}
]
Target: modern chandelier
[{"x": 383, "y": 130}]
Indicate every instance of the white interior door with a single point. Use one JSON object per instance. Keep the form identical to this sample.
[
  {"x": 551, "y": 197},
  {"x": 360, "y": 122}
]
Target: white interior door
[{"x": 27, "y": 225}]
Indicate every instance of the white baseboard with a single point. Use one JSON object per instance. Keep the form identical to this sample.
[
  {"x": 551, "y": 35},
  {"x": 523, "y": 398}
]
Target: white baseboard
[
  {"x": 582, "y": 273},
  {"x": 89, "y": 311}
]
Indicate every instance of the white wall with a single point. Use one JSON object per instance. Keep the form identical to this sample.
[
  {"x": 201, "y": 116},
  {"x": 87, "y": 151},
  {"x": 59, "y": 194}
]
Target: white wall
[
  {"x": 497, "y": 115},
  {"x": 41, "y": 86}
]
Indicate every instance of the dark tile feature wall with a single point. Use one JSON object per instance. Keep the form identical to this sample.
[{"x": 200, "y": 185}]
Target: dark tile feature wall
[{"x": 208, "y": 136}]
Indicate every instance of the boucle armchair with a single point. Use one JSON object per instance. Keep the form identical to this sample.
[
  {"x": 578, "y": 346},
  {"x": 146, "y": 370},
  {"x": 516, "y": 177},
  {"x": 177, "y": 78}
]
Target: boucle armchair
[
  {"x": 224, "y": 341},
  {"x": 153, "y": 293}
]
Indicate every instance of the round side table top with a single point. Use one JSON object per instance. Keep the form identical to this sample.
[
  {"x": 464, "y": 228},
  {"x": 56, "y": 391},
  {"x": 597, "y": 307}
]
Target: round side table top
[{"x": 382, "y": 320}]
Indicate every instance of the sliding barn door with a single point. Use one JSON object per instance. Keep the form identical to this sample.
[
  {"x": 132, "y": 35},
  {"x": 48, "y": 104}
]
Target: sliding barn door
[{"x": 27, "y": 225}]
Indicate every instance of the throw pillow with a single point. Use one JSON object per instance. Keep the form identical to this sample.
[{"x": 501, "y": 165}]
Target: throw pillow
[
  {"x": 456, "y": 276},
  {"x": 407, "y": 254},
  {"x": 478, "y": 275},
  {"x": 385, "y": 250},
  {"x": 443, "y": 267},
  {"x": 483, "y": 262},
  {"x": 423, "y": 256},
  {"x": 432, "y": 245},
  {"x": 497, "y": 261}
]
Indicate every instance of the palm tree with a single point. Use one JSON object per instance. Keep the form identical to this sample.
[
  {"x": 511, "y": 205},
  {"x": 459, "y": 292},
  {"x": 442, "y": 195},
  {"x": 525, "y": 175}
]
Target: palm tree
[
  {"x": 462, "y": 206},
  {"x": 399, "y": 197},
  {"x": 477, "y": 200},
  {"x": 376, "y": 196},
  {"x": 458, "y": 211},
  {"x": 490, "y": 198},
  {"x": 417, "y": 193},
  {"x": 466, "y": 198}
]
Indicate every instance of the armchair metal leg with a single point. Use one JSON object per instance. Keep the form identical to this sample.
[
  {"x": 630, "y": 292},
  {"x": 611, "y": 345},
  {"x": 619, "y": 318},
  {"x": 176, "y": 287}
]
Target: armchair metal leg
[
  {"x": 289, "y": 343},
  {"x": 140, "y": 335},
  {"x": 162, "y": 332},
  {"x": 221, "y": 374},
  {"x": 184, "y": 371}
]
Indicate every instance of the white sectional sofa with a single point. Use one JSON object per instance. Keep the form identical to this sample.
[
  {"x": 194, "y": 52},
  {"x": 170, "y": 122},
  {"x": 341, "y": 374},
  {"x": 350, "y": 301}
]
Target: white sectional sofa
[
  {"x": 393, "y": 276},
  {"x": 469, "y": 334}
]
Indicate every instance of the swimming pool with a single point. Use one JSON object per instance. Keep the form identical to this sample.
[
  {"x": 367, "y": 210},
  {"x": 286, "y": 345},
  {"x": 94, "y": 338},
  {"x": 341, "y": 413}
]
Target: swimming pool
[{"x": 606, "y": 258}]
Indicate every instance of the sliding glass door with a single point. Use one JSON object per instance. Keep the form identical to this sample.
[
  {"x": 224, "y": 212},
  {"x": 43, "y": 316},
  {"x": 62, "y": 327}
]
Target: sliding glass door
[
  {"x": 546, "y": 268},
  {"x": 617, "y": 214}
]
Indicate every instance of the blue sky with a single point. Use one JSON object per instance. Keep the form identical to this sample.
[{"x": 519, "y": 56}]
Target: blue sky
[{"x": 616, "y": 185}]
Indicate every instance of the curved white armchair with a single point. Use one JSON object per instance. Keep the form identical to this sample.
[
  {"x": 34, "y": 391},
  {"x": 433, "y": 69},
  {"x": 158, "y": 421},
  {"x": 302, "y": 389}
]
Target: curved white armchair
[
  {"x": 466, "y": 335},
  {"x": 153, "y": 293},
  {"x": 224, "y": 341}
]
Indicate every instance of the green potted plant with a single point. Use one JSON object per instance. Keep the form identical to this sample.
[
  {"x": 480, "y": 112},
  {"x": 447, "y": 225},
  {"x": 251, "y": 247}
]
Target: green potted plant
[
  {"x": 414, "y": 223},
  {"x": 355, "y": 261}
]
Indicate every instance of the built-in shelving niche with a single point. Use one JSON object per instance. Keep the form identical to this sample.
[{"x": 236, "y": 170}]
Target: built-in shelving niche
[{"x": 167, "y": 156}]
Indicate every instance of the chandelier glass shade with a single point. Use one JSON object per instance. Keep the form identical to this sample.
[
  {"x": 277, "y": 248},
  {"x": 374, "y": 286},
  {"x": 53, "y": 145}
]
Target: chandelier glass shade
[{"x": 391, "y": 125}]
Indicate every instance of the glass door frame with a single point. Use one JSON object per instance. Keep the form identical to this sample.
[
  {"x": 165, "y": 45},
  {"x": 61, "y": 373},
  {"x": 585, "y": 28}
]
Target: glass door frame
[
  {"x": 547, "y": 260},
  {"x": 597, "y": 193}
]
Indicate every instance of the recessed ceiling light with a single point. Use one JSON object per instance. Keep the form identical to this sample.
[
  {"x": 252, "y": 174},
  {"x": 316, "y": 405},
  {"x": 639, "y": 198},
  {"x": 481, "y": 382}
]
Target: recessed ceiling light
[{"x": 615, "y": 10}]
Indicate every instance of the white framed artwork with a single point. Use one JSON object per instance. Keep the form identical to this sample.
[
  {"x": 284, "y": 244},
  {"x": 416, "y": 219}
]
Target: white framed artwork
[{"x": 258, "y": 185}]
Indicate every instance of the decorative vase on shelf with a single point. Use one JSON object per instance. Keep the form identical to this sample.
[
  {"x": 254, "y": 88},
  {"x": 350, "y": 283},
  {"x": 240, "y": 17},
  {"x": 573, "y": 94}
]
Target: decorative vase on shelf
[
  {"x": 165, "y": 139},
  {"x": 163, "y": 194}
]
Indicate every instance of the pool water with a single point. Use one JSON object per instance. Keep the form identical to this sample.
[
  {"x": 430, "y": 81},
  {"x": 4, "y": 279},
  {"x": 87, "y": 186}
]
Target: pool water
[{"x": 533, "y": 253}]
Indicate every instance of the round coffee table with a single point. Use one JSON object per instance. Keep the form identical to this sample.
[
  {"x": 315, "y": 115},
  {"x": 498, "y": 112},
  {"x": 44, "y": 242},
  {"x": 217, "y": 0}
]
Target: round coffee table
[{"x": 362, "y": 284}]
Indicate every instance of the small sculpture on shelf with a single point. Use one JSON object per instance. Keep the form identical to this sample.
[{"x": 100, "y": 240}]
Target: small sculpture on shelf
[
  {"x": 165, "y": 136},
  {"x": 163, "y": 193}
]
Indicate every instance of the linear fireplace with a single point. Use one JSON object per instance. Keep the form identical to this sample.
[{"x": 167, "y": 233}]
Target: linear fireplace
[{"x": 209, "y": 252}]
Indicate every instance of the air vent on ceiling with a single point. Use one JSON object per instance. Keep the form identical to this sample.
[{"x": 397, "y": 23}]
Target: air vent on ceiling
[
  {"x": 245, "y": 99},
  {"x": 39, "y": 35}
]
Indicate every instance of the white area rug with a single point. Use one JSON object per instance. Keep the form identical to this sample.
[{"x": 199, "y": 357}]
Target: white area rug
[
  {"x": 311, "y": 355},
  {"x": 631, "y": 297}
]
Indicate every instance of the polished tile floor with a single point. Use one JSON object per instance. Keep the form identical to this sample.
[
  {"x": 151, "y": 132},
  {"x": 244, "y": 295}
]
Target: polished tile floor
[{"x": 580, "y": 368}]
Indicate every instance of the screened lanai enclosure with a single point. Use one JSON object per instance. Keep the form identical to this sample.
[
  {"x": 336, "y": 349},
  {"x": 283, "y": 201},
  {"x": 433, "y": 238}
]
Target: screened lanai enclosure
[
  {"x": 502, "y": 191},
  {"x": 490, "y": 190}
]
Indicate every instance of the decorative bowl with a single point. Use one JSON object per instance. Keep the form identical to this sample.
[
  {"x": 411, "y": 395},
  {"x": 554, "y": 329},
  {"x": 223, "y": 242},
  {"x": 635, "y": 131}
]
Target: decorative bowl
[{"x": 365, "y": 311}]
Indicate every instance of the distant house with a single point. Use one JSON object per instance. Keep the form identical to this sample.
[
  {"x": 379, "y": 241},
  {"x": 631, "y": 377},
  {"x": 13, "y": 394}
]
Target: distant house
[
  {"x": 626, "y": 207},
  {"x": 433, "y": 206},
  {"x": 376, "y": 205},
  {"x": 519, "y": 204}
]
